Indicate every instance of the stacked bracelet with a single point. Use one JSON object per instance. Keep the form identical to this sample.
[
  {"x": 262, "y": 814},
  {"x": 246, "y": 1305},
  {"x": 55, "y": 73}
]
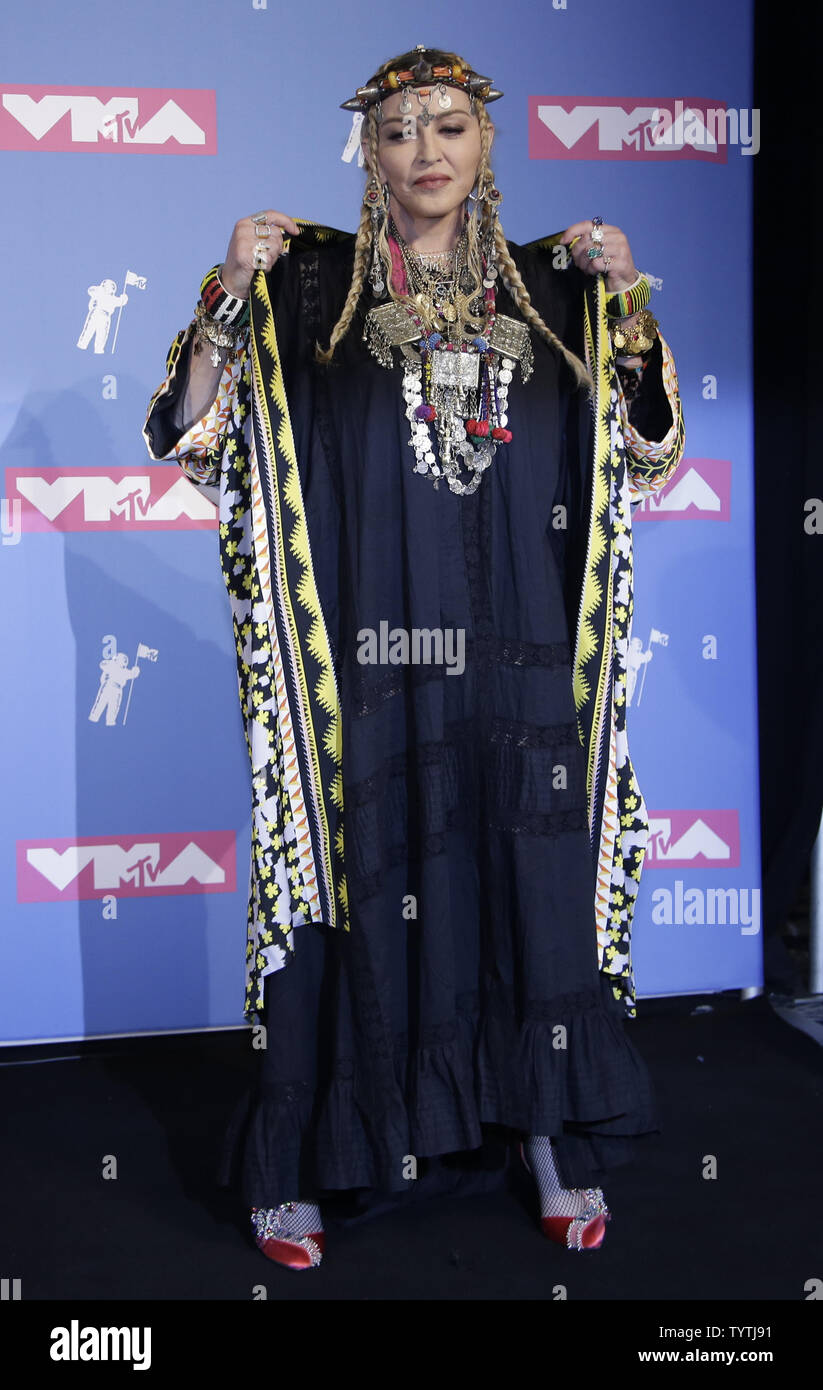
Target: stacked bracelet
[
  {"x": 217, "y": 335},
  {"x": 219, "y": 304},
  {"x": 633, "y": 339},
  {"x": 624, "y": 303}
]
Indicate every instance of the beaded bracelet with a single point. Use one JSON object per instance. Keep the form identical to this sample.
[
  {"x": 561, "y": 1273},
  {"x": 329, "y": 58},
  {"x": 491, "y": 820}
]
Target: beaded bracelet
[
  {"x": 219, "y": 304},
  {"x": 623, "y": 303}
]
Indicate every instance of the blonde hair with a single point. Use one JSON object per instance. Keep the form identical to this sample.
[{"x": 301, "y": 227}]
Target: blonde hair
[{"x": 509, "y": 272}]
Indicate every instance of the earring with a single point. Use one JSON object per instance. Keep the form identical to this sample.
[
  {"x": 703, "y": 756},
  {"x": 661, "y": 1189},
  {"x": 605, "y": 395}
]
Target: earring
[
  {"x": 492, "y": 197},
  {"x": 374, "y": 196}
]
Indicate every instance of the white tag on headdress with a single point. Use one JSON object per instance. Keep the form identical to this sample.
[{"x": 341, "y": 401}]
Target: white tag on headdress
[{"x": 353, "y": 142}]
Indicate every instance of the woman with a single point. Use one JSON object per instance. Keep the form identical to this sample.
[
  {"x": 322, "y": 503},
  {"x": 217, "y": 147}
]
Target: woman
[{"x": 447, "y": 835}]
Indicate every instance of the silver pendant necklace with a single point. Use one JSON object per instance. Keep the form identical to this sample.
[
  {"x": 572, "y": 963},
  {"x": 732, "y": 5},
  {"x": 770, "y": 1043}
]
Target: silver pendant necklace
[{"x": 456, "y": 379}]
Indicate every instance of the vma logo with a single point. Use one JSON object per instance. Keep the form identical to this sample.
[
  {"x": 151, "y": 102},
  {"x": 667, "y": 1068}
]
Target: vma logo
[
  {"x": 701, "y": 489},
  {"x": 634, "y": 128},
  {"x": 148, "y": 120},
  {"x": 157, "y": 498},
  {"x": 56, "y": 870},
  {"x": 693, "y": 839}
]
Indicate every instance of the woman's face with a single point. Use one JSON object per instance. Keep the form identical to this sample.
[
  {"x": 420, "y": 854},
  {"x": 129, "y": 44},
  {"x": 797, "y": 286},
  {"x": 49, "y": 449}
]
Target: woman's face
[{"x": 431, "y": 172}]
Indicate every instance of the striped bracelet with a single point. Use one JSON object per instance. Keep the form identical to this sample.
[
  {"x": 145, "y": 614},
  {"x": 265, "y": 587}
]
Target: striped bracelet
[
  {"x": 629, "y": 301},
  {"x": 219, "y": 304}
]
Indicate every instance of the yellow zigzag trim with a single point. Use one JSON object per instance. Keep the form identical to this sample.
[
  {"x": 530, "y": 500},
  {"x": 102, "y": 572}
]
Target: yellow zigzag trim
[
  {"x": 298, "y": 543},
  {"x": 593, "y": 596}
]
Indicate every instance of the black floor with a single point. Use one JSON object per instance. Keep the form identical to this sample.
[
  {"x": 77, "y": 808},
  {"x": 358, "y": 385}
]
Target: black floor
[{"x": 734, "y": 1081}]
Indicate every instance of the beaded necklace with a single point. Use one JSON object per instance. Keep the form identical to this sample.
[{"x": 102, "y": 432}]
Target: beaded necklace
[{"x": 458, "y": 374}]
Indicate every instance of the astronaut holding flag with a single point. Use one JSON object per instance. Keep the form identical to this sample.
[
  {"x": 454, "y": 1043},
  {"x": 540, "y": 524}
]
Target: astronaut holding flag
[
  {"x": 103, "y": 300},
  {"x": 636, "y": 658},
  {"x": 116, "y": 674}
]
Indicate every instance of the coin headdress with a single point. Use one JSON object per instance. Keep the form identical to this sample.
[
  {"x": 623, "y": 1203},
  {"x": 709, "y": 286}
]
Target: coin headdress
[{"x": 424, "y": 72}]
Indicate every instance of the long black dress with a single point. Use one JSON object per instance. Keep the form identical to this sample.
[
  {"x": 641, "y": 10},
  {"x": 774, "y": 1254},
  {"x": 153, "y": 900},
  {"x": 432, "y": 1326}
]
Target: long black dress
[{"x": 467, "y": 993}]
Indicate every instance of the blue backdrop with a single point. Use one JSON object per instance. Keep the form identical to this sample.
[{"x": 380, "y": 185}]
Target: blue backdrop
[{"x": 132, "y": 139}]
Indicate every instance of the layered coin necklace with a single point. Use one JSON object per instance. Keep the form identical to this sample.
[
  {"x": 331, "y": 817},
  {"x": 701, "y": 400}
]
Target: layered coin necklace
[{"x": 460, "y": 356}]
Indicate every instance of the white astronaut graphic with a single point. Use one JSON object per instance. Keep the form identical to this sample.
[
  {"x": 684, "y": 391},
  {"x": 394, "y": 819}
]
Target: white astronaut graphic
[
  {"x": 637, "y": 657},
  {"x": 103, "y": 300},
  {"x": 116, "y": 673}
]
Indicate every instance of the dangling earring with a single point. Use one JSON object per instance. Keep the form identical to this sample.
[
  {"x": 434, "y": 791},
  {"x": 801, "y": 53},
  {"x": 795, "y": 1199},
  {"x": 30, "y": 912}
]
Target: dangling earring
[
  {"x": 492, "y": 198},
  {"x": 375, "y": 199}
]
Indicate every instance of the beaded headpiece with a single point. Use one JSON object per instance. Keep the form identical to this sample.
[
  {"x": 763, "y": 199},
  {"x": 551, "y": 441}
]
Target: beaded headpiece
[{"x": 423, "y": 72}]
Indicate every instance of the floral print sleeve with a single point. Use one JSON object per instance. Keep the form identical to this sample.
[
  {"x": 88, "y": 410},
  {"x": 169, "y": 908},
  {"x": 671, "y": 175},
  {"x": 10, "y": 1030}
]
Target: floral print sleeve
[
  {"x": 199, "y": 450},
  {"x": 650, "y": 463}
]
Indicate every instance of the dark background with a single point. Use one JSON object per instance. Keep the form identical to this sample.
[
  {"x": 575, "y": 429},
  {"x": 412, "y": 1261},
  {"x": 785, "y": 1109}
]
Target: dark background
[{"x": 788, "y": 254}]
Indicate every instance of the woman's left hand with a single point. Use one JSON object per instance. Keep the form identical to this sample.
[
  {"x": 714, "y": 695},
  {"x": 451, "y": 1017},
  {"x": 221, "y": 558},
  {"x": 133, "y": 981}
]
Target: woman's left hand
[{"x": 616, "y": 261}]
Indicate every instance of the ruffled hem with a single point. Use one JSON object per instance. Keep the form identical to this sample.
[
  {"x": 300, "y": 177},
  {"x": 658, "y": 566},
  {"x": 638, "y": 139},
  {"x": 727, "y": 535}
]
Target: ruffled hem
[{"x": 571, "y": 1073}]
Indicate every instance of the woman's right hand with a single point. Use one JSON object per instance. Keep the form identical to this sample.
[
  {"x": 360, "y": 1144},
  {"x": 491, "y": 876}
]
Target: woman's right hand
[{"x": 239, "y": 268}]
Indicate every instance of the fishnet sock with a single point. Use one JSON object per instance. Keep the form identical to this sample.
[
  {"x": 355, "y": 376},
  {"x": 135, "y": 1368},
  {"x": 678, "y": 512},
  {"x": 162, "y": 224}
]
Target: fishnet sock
[
  {"x": 555, "y": 1200},
  {"x": 304, "y": 1220}
]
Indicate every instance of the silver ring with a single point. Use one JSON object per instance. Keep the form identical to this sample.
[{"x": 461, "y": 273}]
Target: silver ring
[
  {"x": 593, "y": 252},
  {"x": 262, "y": 229},
  {"x": 260, "y": 217}
]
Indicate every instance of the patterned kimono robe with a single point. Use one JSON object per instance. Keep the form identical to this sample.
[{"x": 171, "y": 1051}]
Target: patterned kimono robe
[{"x": 244, "y": 446}]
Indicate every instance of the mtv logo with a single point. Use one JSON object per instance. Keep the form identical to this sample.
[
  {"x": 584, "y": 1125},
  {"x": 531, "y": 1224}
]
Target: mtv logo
[
  {"x": 132, "y": 867},
  {"x": 626, "y": 128},
  {"x": 693, "y": 839},
  {"x": 157, "y": 497},
  {"x": 699, "y": 490},
  {"x": 148, "y": 120}
]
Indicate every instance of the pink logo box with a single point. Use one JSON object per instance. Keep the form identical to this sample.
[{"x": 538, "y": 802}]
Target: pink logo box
[
  {"x": 587, "y": 127},
  {"x": 131, "y": 866},
  {"x": 157, "y": 497},
  {"x": 126, "y": 120},
  {"x": 701, "y": 489},
  {"x": 693, "y": 840}
]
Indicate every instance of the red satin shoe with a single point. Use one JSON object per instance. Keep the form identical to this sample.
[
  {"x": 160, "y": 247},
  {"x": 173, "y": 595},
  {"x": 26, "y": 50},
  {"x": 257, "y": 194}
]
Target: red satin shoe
[
  {"x": 584, "y": 1232},
  {"x": 277, "y": 1243}
]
